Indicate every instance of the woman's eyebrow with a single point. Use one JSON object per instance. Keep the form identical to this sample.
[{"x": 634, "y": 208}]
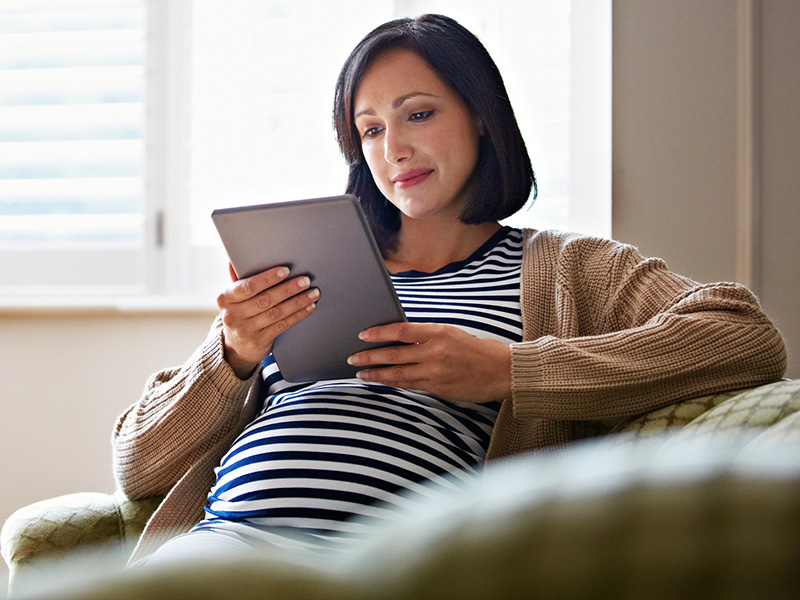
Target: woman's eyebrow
[{"x": 398, "y": 102}]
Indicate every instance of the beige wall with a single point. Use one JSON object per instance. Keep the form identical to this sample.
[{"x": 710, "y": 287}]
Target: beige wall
[
  {"x": 66, "y": 377},
  {"x": 779, "y": 287},
  {"x": 706, "y": 144}
]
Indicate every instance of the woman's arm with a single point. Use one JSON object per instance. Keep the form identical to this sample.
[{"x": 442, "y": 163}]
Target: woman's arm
[
  {"x": 186, "y": 412},
  {"x": 439, "y": 359},
  {"x": 609, "y": 334},
  {"x": 181, "y": 414},
  {"x": 629, "y": 336}
]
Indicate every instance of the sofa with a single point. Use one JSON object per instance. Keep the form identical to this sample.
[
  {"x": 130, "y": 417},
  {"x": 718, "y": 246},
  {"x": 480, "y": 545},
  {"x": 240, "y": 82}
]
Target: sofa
[{"x": 700, "y": 499}]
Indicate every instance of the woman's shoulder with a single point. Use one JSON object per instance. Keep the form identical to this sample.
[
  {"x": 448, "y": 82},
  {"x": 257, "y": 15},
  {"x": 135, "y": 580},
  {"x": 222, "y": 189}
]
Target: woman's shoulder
[{"x": 569, "y": 244}]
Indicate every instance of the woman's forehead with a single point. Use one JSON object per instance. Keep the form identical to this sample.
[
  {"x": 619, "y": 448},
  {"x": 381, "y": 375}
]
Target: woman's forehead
[{"x": 395, "y": 76}]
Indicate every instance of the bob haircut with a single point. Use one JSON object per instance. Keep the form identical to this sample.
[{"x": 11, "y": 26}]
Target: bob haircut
[{"x": 503, "y": 176}]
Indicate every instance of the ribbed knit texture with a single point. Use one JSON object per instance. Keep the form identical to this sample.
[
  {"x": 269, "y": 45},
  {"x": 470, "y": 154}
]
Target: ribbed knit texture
[
  {"x": 169, "y": 442},
  {"x": 606, "y": 333}
]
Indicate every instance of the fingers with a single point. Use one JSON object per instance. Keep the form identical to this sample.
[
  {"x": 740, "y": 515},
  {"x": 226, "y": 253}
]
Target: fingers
[
  {"x": 272, "y": 310},
  {"x": 407, "y": 333},
  {"x": 411, "y": 361},
  {"x": 261, "y": 292},
  {"x": 255, "y": 310},
  {"x": 439, "y": 359},
  {"x": 405, "y": 375},
  {"x": 409, "y": 336},
  {"x": 389, "y": 355},
  {"x": 242, "y": 290},
  {"x": 263, "y": 320}
]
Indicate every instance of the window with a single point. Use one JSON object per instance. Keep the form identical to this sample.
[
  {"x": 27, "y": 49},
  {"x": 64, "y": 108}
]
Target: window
[
  {"x": 72, "y": 118},
  {"x": 236, "y": 110}
]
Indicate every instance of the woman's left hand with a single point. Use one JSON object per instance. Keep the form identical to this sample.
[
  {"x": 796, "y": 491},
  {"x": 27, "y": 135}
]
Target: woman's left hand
[{"x": 439, "y": 359}]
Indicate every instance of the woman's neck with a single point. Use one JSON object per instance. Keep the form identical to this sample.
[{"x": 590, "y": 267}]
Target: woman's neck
[{"x": 427, "y": 246}]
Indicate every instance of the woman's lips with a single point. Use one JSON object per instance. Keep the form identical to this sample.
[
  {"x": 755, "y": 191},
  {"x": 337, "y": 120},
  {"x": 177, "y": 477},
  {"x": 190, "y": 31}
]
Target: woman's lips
[{"x": 411, "y": 178}]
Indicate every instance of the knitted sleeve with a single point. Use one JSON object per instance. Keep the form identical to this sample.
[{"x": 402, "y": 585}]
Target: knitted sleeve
[
  {"x": 614, "y": 334},
  {"x": 182, "y": 414}
]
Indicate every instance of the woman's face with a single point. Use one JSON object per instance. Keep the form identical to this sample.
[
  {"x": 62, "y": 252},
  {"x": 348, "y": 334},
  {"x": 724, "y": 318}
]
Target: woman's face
[{"x": 418, "y": 137}]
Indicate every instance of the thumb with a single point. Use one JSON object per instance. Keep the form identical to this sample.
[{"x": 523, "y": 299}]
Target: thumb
[{"x": 232, "y": 272}]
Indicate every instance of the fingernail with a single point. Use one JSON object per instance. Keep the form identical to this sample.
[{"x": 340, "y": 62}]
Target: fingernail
[
  {"x": 313, "y": 294},
  {"x": 362, "y": 375},
  {"x": 364, "y": 335},
  {"x": 304, "y": 282},
  {"x": 283, "y": 272},
  {"x": 353, "y": 360}
]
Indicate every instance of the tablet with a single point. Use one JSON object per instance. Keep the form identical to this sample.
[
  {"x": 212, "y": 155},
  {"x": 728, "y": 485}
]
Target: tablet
[{"x": 329, "y": 240}]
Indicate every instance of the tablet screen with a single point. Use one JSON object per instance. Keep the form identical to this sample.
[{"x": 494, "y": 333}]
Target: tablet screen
[{"x": 329, "y": 240}]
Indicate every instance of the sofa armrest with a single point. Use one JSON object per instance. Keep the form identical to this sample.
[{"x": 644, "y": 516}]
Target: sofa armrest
[
  {"x": 134, "y": 515},
  {"x": 693, "y": 521},
  {"x": 771, "y": 410},
  {"x": 50, "y": 528}
]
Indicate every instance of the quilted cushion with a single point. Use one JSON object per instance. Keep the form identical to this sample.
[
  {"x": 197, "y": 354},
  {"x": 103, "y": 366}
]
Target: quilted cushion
[
  {"x": 52, "y": 526},
  {"x": 598, "y": 521},
  {"x": 696, "y": 520},
  {"x": 49, "y": 528},
  {"x": 763, "y": 407},
  {"x": 758, "y": 409},
  {"x": 134, "y": 515}
]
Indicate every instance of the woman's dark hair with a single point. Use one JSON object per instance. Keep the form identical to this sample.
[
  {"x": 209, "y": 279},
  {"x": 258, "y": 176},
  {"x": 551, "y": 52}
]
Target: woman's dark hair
[{"x": 503, "y": 177}]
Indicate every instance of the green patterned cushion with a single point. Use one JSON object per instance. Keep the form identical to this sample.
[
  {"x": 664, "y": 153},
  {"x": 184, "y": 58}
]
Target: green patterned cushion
[
  {"x": 598, "y": 521},
  {"x": 762, "y": 409},
  {"x": 51, "y": 528},
  {"x": 759, "y": 407},
  {"x": 692, "y": 521},
  {"x": 134, "y": 515}
]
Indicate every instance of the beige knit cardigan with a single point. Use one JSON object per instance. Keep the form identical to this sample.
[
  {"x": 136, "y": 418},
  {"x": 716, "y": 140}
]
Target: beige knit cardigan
[{"x": 606, "y": 333}]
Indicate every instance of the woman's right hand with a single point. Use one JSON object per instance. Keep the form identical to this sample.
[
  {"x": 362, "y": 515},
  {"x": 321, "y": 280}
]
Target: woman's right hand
[{"x": 256, "y": 309}]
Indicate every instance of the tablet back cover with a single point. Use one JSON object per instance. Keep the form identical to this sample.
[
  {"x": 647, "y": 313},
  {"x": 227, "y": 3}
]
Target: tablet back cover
[{"x": 329, "y": 240}]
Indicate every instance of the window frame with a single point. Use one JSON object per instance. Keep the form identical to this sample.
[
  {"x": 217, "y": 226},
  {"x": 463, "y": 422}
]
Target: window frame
[
  {"x": 173, "y": 273},
  {"x": 24, "y": 266}
]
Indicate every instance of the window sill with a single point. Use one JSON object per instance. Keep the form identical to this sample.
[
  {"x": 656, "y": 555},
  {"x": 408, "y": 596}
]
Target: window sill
[{"x": 75, "y": 306}]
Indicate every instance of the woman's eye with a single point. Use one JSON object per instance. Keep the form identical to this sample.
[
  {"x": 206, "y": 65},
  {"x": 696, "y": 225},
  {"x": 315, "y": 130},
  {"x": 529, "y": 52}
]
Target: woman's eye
[
  {"x": 372, "y": 132},
  {"x": 421, "y": 115}
]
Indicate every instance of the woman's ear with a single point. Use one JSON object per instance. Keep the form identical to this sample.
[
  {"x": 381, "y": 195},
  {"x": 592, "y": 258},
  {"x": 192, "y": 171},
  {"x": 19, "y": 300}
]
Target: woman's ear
[{"x": 481, "y": 128}]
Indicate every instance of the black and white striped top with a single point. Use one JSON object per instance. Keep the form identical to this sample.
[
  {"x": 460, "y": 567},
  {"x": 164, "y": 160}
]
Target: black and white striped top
[{"x": 323, "y": 460}]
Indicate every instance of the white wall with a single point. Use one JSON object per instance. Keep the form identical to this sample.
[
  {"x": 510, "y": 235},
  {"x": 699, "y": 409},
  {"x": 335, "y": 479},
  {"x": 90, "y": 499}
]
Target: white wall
[
  {"x": 779, "y": 287},
  {"x": 674, "y": 132},
  {"x": 706, "y": 146},
  {"x": 65, "y": 378}
]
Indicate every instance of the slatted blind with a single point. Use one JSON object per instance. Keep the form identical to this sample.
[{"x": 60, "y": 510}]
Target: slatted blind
[
  {"x": 72, "y": 123},
  {"x": 227, "y": 103}
]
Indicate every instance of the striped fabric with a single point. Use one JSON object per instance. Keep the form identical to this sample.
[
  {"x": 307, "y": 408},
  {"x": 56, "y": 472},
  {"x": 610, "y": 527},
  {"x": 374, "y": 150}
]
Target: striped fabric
[
  {"x": 323, "y": 461},
  {"x": 480, "y": 295}
]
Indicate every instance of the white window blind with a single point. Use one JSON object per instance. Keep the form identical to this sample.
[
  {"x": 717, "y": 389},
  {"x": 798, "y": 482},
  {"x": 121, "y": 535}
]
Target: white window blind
[
  {"x": 263, "y": 78},
  {"x": 263, "y": 81},
  {"x": 124, "y": 123},
  {"x": 72, "y": 117}
]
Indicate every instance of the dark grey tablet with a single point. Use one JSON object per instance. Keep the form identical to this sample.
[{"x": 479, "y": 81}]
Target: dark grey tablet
[{"x": 329, "y": 240}]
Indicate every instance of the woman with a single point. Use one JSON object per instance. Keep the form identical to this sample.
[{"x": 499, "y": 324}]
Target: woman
[{"x": 515, "y": 341}]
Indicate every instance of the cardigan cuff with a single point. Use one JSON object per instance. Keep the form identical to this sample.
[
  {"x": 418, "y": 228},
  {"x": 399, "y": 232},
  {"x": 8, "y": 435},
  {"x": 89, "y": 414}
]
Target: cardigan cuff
[
  {"x": 212, "y": 361},
  {"x": 527, "y": 378}
]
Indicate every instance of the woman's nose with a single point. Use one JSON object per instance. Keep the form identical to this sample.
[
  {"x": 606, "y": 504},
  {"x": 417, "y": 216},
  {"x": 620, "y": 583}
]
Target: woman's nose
[{"x": 397, "y": 147}]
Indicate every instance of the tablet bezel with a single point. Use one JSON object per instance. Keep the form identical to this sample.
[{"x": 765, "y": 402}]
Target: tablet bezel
[{"x": 329, "y": 240}]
